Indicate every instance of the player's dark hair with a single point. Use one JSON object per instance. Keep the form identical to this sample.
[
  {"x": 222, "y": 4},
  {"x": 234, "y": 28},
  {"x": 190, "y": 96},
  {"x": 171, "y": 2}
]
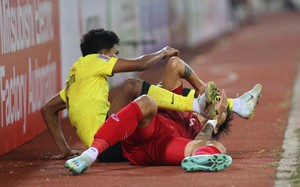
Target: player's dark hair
[
  {"x": 97, "y": 39},
  {"x": 224, "y": 129}
]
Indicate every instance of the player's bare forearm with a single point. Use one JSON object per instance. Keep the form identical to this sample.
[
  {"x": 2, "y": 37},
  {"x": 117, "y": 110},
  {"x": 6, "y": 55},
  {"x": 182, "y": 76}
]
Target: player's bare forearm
[
  {"x": 152, "y": 59},
  {"x": 50, "y": 113},
  {"x": 205, "y": 133},
  {"x": 143, "y": 62}
]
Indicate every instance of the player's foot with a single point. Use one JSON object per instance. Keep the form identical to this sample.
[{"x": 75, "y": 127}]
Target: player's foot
[
  {"x": 216, "y": 162},
  {"x": 248, "y": 102},
  {"x": 79, "y": 164},
  {"x": 207, "y": 100}
]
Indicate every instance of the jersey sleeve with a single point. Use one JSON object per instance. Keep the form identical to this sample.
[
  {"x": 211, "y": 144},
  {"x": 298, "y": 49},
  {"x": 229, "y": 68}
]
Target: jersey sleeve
[
  {"x": 107, "y": 65},
  {"x": 62, "y": 94}
]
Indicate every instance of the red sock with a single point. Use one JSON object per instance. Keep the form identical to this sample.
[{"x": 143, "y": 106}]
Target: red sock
[
  {"x": 206, "y": 150},
  {"x": 100, "y": 145},
  {"x": 117, "y": 127}
]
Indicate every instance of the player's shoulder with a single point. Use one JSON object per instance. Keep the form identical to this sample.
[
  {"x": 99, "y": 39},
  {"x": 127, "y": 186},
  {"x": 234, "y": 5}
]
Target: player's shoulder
[
  {"x": 93, "y": 57},
  {"x": 103, "y": 57},
  {"x": 96, "y": 58}
]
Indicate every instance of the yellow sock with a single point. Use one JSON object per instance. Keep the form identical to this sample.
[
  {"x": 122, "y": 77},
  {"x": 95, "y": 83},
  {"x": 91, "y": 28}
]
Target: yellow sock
[{"x": 169, "y": 100}]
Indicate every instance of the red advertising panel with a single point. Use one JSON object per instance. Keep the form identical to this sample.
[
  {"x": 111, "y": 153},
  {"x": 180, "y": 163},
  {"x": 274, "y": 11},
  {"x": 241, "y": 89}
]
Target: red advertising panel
[{"x": 29, "y": 67}]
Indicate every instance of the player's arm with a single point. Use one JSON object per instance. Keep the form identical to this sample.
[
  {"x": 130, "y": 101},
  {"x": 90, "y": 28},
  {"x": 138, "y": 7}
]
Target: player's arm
[
  {"x": 205, "y": 133},
  {"x": 144, "y": 62},
  {"x": 50, "y": 112},
  {"x": 212, "y": 126}
]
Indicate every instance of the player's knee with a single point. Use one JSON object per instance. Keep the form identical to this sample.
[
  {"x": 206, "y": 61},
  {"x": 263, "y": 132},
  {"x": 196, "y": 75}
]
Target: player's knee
[
  {"x": 173, "y": 62},
  {"x": 147, "y": 105},
  {"x": 132, "y": 85}
]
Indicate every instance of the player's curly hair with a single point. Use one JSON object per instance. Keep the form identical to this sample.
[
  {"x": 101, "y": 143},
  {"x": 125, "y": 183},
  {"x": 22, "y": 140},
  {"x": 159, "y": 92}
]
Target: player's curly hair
[
  {"x": 224, "y": 129},
  {"x": 97, "y": 39}
]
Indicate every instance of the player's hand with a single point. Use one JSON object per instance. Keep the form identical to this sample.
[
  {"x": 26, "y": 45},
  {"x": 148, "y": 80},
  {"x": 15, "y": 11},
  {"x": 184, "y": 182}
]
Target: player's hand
[
  {"x": 170, "y": 52},
  {"x": 221, "y": 104},
  {"x": 70, "y": 154}
]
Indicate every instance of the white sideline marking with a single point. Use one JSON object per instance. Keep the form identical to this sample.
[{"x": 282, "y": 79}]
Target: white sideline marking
[{"x": 290, "y": 157}]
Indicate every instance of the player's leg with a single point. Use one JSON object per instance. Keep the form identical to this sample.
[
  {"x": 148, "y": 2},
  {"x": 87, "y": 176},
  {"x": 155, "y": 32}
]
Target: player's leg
[
  {"x": 130, "y": 90},
  {"x": 177, "y": 69},
  {"x": 133, "y": 88},
  {"x": 174, "y": 151},
  {"x": 244, "y": 105},
  {"x": 208, "y": 156},
  {"x": 116, "y": 128}
]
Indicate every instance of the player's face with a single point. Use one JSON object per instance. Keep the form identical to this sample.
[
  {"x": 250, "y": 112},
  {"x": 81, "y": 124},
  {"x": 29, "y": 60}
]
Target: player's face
[{"x": 113, "y": 52}]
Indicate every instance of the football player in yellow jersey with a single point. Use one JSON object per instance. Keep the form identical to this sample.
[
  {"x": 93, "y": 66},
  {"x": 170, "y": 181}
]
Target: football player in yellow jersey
[{"x": 86, "y": 91}]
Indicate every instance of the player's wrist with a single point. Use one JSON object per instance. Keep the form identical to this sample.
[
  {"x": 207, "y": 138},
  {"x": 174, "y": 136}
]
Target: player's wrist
[
  {"x": 163, "y": 53},
  {"x": 213, "y": 122}
]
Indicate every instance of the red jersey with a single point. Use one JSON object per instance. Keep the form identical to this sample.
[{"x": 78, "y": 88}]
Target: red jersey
[{"x": 186, "y": 124}]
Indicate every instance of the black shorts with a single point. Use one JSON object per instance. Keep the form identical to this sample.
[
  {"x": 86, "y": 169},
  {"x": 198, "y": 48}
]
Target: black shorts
[{"x": 112, "y": 154}]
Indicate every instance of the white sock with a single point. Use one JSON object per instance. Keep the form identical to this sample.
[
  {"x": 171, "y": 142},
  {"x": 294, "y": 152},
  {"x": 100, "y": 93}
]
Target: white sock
[
  {"x": 236, "y": 105},
  {"x": 196, "y": 107},
  {"x": 92, "y": 152}
]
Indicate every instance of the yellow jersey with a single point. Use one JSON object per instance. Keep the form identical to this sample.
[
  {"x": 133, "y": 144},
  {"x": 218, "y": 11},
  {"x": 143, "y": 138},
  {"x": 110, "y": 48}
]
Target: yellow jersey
[{"x": 86, "y": 94}]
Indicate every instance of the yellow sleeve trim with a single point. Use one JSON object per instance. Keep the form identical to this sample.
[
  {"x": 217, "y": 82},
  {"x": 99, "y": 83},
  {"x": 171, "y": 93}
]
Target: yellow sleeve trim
[{"x": 62, "y": 94}]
